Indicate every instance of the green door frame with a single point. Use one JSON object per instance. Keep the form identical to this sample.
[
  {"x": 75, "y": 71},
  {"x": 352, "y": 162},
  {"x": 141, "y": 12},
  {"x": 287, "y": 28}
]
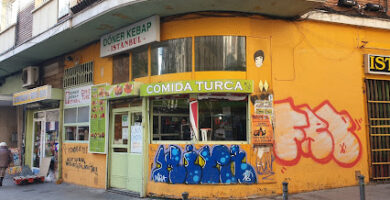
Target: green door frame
[{"x": 144, "y": 109}]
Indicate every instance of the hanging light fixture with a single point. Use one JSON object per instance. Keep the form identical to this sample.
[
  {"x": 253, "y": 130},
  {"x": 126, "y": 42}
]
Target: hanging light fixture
[
  {"x": 347, "y": 3},
  {"x": 373, "y": 7}
]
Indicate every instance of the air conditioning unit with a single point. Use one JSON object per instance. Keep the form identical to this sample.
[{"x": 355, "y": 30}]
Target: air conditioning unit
[{"x": 30, "y": 76}]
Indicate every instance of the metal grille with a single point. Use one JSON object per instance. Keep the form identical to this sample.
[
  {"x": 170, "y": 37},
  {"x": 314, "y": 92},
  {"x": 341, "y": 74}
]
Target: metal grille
[
  {"x": 78, "y": 75},
  {"x": 378, "y": 106}
]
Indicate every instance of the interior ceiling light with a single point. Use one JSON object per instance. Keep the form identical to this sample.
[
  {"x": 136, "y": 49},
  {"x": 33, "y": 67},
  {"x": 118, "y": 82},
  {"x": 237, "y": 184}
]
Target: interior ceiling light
[
  {"x": 347, "y": 3},
  {"x": 373, "y": 7}
]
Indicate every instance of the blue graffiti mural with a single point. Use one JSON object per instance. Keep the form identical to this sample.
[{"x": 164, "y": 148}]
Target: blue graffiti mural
[
  {"x": 210, "y": 172},
  {"x": 243, "y": 171},
  {"x": 203, "y": 166},
  {"x": 174, "y": 161},
  {"x": 194, "y": 171},
  {"x": 160, "y": 173}
]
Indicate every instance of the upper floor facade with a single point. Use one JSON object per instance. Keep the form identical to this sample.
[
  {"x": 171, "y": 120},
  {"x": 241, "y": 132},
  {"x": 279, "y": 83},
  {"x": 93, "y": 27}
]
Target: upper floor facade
[
  {"x": 35, "y": 31},
  {"x": 29, "y": 29}
]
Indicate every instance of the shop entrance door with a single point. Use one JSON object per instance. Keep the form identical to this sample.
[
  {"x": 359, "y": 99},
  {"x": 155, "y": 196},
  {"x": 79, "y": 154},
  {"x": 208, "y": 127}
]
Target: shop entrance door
[
  {"x": 126, "y": 144},
  {"x": 38, "y": 143},
  {"x": 45, "y": 139}
]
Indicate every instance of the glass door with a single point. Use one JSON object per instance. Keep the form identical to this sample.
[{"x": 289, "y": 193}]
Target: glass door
[
  {"x": 45, "y": 140},
  {"x": 38, "y": 143}
]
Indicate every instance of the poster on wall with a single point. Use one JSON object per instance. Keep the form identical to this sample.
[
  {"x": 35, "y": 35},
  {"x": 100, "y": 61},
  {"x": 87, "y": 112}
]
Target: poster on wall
[
  {"x": 262, "y": 131},
  {"x": 97, "y": 136},
  {"x": 136, "y": 139},
  {"x": 77, "y": 96},
  {"x": 263, "y": 107}
]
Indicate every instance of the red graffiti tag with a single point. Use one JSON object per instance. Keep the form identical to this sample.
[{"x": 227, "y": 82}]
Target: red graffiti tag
[
  {"x": 322, "y": 134},
  {"x": 343, "y": 148}
]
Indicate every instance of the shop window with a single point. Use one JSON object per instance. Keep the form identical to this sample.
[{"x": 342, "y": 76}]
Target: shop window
[
  {"x": 70, "y": 115},
  {"x": 83, "y": 133},
  {"x": 70, "y": 132},
  {"x": 220, "y": 118},
  {"x": 83, "y": 114},
  {"x": 220, "y": 53},
  {"x": 139, "y": 62},
  {"x": 171, "y": 119},
  {"x": 172, "y": 56},
  {"x": 223, "y": 119},
  {"x": 76, "y": 123},
  {"x": 121, "y": 68}
]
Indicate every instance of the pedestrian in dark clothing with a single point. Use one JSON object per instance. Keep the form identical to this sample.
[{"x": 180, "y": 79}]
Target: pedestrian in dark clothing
[{"x": 5, "y": 160}]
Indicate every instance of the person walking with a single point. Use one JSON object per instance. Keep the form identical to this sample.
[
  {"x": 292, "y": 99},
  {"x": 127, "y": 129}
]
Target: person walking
[{"x": 5, "y": 160}]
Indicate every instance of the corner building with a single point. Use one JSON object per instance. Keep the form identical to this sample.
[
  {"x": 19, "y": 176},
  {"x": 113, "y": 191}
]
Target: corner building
[{"x": 222, "y": 104}]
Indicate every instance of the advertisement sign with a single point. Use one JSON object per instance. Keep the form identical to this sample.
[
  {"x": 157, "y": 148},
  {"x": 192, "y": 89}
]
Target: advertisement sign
[
  {"x": 263, "y": 107},
  {"x": 135, "y": 35},
  {"x": 32, "y": 95},
  {"x": 200, "y": 86},
  {"x": 97, "y": 134},
  {"x": 262, "y": 131},
  {"x": 77, "y": 96},
  {"x": 119, "y": 90},
  {"x": 136, "y": 139},
  {"x": 377, "y": 64}
]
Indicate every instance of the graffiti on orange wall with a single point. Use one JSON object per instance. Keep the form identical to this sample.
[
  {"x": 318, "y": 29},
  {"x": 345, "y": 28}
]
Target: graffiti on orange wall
[
  {"x": 75, "y": 158},
  {"x": 322, "y": 134},
  {"x": 208, "y": 165},
  {"x": 264, "y": 162}
]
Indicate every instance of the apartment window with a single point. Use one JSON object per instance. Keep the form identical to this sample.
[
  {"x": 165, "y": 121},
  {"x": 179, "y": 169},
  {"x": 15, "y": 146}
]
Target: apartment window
[
  {"x": 63, "y": 7},
  {"x": 172, "y": 56},
  {"x": 220, "y": 53},
  {"x": 81, "y": 74},
  {"x": 121, "y": 68},
  {"x": 10, "y": 12},
  {"x": 139, "y": 62}
]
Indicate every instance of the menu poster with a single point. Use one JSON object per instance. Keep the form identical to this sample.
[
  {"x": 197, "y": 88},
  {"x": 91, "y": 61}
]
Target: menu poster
[
  {"x": 98, "y": 122},
  {"x": 136, "y": 139},
  {"x": 262, "y": 130},
  {"x": 116, "y": 91}
]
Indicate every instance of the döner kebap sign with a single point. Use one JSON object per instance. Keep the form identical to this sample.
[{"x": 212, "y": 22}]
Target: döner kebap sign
[{"x": 135, "y": 35}]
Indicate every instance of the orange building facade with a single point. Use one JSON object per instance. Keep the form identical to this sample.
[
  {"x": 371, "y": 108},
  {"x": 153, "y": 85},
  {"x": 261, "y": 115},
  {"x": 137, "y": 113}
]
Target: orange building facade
[{"x": 305, "y": 119}]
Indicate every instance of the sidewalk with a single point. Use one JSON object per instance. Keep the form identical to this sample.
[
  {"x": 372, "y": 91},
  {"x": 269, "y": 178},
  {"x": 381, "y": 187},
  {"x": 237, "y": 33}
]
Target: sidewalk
[
  {"x": 373, "y": 192},
  {"x": 52, "y": 191},
  {"x": 64, "y": 191}
]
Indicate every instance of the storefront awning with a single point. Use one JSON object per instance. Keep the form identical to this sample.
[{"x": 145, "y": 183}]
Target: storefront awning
[
  {"x": 198, "y": 86},
  {"x": 43, "y": 93},
  {"x": 5, "y": 100}
]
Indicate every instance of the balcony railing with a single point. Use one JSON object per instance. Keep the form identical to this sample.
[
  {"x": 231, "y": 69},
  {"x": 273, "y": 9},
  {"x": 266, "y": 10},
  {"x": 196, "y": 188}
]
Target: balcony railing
[{"x": 79, "y": 5}]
